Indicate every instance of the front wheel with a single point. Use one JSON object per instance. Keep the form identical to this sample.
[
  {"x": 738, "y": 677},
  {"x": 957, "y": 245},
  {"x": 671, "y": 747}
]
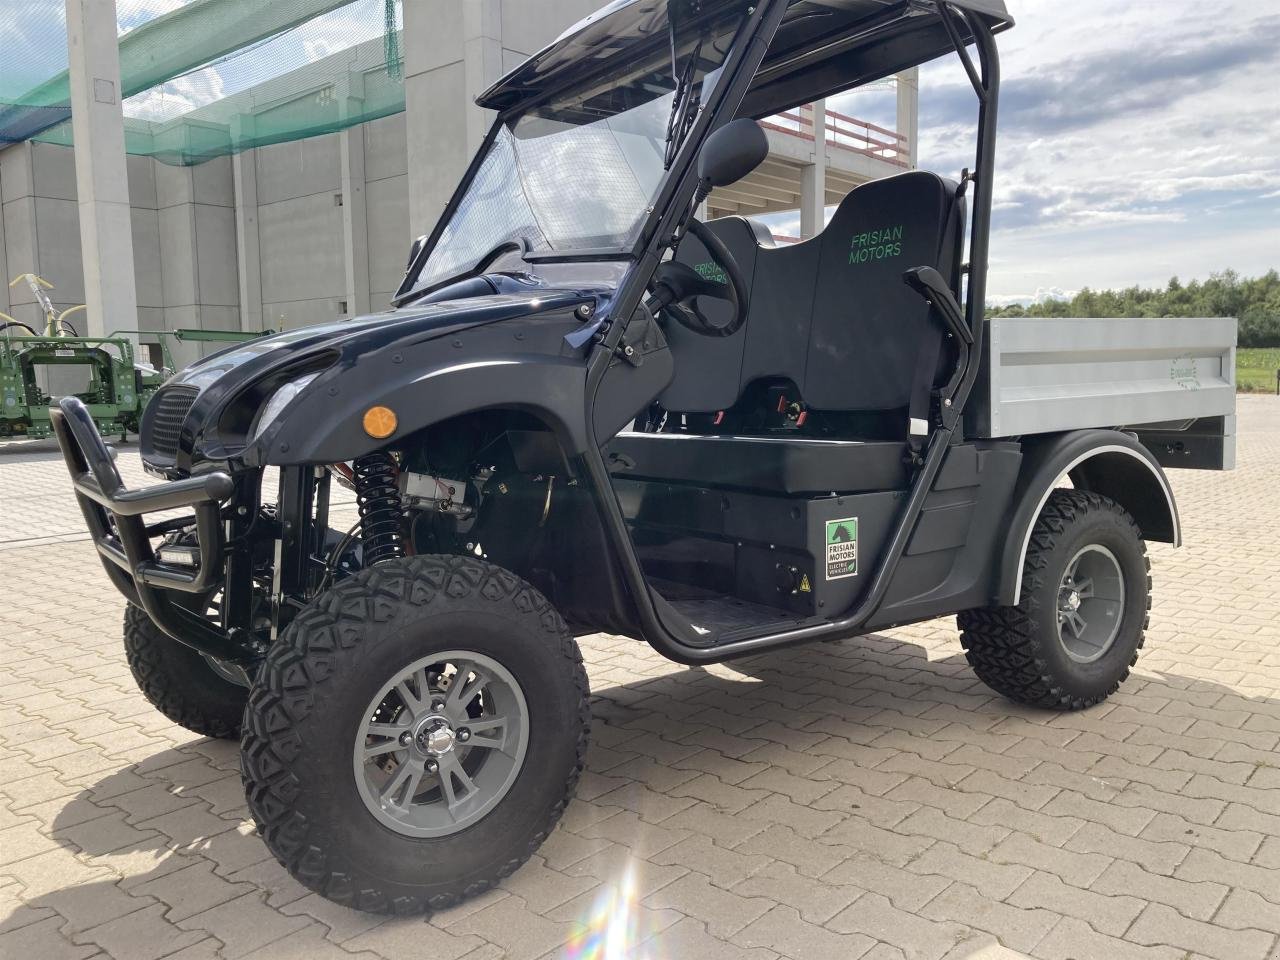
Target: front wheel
[
  {"x": 1086, "y": 593},
  {"x": 416, "y": 734},
  {"x": 193, "y": 690}
]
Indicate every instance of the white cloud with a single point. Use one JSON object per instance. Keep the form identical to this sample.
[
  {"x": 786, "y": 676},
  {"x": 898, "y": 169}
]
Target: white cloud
[{"x": 1137, "y": 142}]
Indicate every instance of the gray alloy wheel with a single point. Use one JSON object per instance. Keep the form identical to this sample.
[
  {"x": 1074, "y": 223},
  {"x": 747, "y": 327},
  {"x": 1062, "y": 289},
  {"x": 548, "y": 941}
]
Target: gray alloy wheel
[
  {"x": 1090, "y": 603},
  {"x": 441, "y": 744}
]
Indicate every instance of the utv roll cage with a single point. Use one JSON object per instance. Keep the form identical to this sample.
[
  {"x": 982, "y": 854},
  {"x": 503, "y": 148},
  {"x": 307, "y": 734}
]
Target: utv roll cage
[{"x": 836, "y": 46}]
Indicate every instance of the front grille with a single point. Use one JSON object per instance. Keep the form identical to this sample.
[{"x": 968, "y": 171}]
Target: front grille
[{"x": 172, "y": 404}]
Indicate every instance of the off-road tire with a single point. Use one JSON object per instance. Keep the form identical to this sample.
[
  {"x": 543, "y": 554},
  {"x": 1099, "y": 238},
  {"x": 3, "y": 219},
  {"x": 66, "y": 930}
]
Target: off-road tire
[
  {"x": 1016, "y": 651},
  {"x": 310, "y": 698},
  {"x": 179, "y": 682}
]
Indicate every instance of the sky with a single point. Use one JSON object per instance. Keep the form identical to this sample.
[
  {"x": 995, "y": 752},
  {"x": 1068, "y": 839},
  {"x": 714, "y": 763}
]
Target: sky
[{"x": 1138, "y": 141}]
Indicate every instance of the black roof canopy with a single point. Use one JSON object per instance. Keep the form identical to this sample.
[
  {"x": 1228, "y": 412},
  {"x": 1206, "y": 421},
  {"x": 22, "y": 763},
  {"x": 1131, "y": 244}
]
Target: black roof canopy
[{"x": 821, "y": 47}]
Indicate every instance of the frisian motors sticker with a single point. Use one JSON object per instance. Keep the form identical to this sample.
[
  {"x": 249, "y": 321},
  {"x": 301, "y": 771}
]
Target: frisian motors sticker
[
  {"x": 842, "y": 548},
  {"x": 876, "y": 245}
]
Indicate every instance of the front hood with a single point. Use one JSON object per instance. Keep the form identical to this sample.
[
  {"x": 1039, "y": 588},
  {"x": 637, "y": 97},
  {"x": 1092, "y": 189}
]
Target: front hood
[
  {"x": 415, "y": 323},
  {"x": 247, "y": 372}
]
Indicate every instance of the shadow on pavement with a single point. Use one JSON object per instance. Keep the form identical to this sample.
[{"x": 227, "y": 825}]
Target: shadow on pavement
[{"x": 174, "y": 824}]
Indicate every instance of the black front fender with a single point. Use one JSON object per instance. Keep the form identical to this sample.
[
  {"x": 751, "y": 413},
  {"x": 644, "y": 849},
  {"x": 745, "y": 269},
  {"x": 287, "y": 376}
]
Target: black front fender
[
  {"x": 328, "y": 428},
  {"x": 521, "y": 364}
]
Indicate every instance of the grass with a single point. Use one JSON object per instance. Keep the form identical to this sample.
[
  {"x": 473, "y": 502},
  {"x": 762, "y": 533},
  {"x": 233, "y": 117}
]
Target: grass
[{"x": 1256, "y": 369}]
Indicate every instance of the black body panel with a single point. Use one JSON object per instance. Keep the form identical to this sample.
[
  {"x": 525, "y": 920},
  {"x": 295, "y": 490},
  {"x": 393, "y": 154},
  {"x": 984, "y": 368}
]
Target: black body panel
[
  {"x": 759, "y": 548},
  {"x": 767, "y": 464}
]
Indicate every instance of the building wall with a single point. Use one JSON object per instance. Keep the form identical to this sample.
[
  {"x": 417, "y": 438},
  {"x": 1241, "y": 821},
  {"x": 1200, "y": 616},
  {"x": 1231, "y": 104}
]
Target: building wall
[
  {"x": 184, "y": 219},
  {"x": 184, "y": 232}
]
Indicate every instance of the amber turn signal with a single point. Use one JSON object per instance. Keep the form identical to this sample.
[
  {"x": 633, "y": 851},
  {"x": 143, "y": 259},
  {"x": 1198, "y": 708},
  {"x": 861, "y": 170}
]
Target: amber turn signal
[{"x": 380, "y": 422}]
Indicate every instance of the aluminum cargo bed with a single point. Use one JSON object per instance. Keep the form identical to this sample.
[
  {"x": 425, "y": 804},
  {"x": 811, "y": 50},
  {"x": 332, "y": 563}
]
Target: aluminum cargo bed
[{"x": 1171, "y": 380}]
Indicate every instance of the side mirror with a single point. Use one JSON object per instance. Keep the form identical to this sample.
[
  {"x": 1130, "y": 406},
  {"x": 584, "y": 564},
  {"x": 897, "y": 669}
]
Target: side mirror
[
  {"x": 415, "y": 250},
  {"x": 731, "y": 153}
]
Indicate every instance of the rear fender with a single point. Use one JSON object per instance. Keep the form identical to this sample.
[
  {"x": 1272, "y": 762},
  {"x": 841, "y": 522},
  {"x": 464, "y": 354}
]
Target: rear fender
[{"x": 1107, "y": 462}]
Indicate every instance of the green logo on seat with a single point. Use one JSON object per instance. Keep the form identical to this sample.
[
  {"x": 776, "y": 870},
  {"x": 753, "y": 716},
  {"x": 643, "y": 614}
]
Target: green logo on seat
[{"x": 876, "y": 245}]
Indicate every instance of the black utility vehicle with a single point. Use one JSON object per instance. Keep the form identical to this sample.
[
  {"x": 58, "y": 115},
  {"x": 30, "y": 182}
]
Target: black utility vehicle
[{"x": 589, "y": 412}]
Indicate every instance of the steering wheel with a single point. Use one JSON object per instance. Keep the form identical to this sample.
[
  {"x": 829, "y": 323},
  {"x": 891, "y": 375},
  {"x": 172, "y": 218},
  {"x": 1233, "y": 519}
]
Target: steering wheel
[{"x": 677, "y": 286}]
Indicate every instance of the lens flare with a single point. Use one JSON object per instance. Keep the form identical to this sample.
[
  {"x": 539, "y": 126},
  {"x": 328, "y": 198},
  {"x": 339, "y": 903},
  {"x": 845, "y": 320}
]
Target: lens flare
[{"x": 613, "y": 930}]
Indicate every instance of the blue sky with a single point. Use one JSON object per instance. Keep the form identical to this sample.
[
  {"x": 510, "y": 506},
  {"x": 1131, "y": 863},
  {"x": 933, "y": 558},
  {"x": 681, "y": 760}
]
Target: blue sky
[{"x": 1137, "y": 141}]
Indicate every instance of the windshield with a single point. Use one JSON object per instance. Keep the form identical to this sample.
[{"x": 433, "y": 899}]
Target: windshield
[{"x": 576, "y": 175}]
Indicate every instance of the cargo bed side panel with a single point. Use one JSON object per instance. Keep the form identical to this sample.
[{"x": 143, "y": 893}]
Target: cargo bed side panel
[{"x": 1045, "y": 375}]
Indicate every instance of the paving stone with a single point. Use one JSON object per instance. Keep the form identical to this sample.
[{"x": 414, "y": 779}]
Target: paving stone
[
  {"x": 142, "y": 935},
  {"x": 994, "y": 880},
  {"x": 1151, "y": 856},
  {"x": 1074, "y": 939},
  {"x": 413, "y": 939},
  {"x": 87, "y": 905},
  {"x": 815, "y": 902},
  {"x": 509, "y": 924},
  {"x": 542, "y": 888},
  {"x": 1162, "y": 925},
  {"x": 43, "y": 940},
  {"x": 724, "y": 867},
  {"x": 689, "y": 938},
  {"x": 1111, "y": 915},
  {"x": 1198, "y": 900},
  {"x": 905, "y": 889},
  {"x": 1017, "y": 927},
  {"x": 918, "y": 937},
  {"x": 243, "y": 925},
  {"x": 723, "y": 913},
  {"x": 782, "y": 929},
  {"x": 1080, "y": 869}
]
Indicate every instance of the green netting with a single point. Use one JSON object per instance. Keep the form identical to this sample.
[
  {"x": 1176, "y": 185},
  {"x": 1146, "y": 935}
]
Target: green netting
[{"x": 205, "y": 78}]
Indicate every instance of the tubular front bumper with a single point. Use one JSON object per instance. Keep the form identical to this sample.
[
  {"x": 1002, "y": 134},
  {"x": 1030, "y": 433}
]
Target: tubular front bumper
[{"x": 115, "y": 516}]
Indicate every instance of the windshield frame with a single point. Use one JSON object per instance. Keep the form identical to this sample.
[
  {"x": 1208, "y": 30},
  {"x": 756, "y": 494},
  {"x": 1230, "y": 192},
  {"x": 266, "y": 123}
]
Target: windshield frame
[{"x": 408, "y": 290}]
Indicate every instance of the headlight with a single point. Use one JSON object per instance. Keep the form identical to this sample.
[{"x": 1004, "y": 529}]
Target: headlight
[{"x": 272, "y": 409}]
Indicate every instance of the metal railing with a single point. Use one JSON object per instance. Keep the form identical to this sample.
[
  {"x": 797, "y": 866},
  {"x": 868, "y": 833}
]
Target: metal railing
[{"x": 845, "y": 133}]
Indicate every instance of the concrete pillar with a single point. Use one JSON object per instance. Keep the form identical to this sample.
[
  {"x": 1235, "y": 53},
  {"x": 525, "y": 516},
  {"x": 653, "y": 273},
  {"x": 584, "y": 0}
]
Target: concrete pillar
[
  {"x": 102, "y": 182},
  {"x": 4, "y": 257},
  {"x": 452, "y": 52},
  {"x": 244, "y": 172},
  {"x": 482, "y": 53},
  {"x": 909, "y": 113},
  {"x": 355, "y": 224},
  {"x": 813, "y": 178}
]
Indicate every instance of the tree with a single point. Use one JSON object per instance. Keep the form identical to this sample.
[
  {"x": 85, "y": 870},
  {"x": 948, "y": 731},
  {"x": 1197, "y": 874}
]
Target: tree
[{"x": 1254, "y": 302}]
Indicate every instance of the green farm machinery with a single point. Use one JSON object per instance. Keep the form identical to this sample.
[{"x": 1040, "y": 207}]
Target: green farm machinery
[{"x": 119, "y": 382}]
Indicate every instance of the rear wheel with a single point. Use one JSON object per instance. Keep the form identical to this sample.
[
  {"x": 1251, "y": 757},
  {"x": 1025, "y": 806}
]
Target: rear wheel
[
  {"x": 415, "y": 734},
  {"x": 1086, "y": 593},
  {"x": 194, "y": 691}
]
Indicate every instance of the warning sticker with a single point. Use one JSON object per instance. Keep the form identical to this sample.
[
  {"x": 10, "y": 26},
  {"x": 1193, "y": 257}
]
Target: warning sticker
[{"x": 842, "y": 548}]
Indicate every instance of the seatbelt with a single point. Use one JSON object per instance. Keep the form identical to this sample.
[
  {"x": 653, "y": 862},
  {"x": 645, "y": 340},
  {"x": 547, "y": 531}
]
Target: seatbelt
[{"x": 919, "y": 410}]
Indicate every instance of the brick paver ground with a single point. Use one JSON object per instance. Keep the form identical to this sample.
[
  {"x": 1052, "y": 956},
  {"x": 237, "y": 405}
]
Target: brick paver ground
[{"x": 867, "y": 799}]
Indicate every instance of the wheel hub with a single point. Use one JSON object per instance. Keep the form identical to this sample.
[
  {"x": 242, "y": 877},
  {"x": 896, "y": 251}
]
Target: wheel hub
[
  {"x": 441, "y": 743},
  {"x": 1091, "y": 600},
  {"x": 435, "y": 736}
]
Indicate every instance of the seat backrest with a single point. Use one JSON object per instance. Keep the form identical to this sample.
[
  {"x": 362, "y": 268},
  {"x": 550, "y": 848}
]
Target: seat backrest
[
  {"x": 831, "y": 314},
  {"x": 868, "y": 326}
]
